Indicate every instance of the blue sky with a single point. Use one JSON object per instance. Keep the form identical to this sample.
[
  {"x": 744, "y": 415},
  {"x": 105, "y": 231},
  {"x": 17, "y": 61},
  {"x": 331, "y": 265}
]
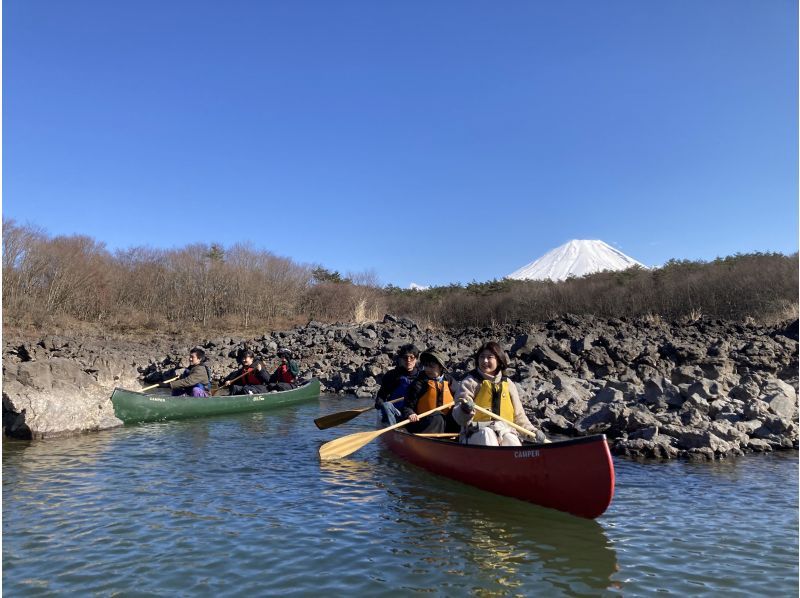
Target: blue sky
[{"x": 431, "y": 142}]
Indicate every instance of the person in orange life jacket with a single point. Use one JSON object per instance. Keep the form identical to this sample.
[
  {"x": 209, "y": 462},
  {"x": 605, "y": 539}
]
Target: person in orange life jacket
[
  {"x": 255, "y": 378},
  {"x": 196, "y": 379},
  {"x": 284, "y": 376},
  {"x": 488, "y": 387},
  {"x": 395, "y": 382},
  {"x": 431, "y": 388}
]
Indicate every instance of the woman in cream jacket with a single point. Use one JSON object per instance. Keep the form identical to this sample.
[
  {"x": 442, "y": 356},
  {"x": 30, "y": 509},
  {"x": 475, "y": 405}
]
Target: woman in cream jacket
[{"x": 487, "y": 387}]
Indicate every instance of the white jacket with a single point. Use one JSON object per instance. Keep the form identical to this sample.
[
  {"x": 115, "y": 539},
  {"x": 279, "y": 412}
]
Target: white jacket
[{"x": 469, "y": 387}]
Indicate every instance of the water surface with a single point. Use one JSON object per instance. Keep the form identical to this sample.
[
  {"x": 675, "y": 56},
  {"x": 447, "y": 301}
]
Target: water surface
[{"x": 241, "y": 505}]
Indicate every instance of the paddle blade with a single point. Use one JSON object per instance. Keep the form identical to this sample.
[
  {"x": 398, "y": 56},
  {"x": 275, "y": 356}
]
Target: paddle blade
[
  {"x": 341, "y": 447},
  {"x": 338, "y": 418}
]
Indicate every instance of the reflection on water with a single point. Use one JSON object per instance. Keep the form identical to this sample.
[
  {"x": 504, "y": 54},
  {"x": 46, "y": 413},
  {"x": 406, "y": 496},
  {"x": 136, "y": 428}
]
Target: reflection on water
[
  {"x": 241, "y": 505},
  {"x": 458, "y": 530}
]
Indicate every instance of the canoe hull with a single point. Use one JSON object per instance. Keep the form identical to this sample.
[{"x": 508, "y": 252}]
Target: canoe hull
[
  {"x": 575, "y": 476},
  {"x": 135, "y": 407}
]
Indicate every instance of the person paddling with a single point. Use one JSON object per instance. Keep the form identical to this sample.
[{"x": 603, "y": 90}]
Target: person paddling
[
  {"x": 196, "y": 379},
  {"x": 251, "y": 378},
  {"x": 431, "y": 388},
  {"x": 395, "y": 382},
  {"x": 285, "y": 375},
  {"x": 487, "y": 387}
]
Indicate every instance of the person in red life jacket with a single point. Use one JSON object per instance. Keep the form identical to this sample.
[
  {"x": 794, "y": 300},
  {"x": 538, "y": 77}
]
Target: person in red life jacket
[
  {"x": 489, "y": 388},
  {"x": 253, "y": 377},
  {"x": 395, "y": 382},
  {"x": 196, "y": 379},
  {"x": 283, "y": 378},
  {"x": 431, "y": 388}
]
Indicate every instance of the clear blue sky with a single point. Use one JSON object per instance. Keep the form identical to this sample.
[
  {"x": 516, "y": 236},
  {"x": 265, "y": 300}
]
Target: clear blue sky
[{"x": 430, "y": 141}]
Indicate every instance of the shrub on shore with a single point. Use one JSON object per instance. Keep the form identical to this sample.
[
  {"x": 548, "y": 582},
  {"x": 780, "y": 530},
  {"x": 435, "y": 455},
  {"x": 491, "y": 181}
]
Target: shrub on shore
[{"x": 64, "y": 280}]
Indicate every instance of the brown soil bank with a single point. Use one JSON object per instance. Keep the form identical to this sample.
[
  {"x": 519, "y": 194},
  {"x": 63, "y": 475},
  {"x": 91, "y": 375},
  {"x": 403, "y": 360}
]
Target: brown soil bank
[{"x": 703, "y": 389}]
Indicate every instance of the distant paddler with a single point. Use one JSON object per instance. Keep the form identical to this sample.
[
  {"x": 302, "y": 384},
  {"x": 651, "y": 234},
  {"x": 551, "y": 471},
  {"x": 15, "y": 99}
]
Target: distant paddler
[
  {"x": 285, "y": 375},
  {"x": 196, "y": 379},
  {"x": 252, "y": 377}
]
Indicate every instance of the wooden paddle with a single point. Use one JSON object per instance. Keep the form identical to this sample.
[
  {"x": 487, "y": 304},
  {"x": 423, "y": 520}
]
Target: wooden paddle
[
  {"x": 164, "y": 382},
  {"x": 502, "y": 419},
  {"x": 341, "y": 447},
  {"x": 232, "y": 381},
  {"x": 340, "y": 417}
]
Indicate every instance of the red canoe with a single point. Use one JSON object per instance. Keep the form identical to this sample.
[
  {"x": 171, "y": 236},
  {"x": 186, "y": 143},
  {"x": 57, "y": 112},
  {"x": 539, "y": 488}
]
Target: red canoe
[{"x": 575, "y": 476}]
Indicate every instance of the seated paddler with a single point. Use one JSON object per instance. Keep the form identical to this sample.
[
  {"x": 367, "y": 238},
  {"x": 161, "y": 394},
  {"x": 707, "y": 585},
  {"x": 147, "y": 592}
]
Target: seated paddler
[
  {"x": 196, "y": 379},
  {"x": 433, "y": 387},
  {"x": 285, "y": 375},
  {"x": 251, "y": 378},
  {"x": 488, "y": 387},
  {"x": 395, "y": 382}
]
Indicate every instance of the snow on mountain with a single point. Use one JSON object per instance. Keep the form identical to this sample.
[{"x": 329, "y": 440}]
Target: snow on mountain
[{"x": 575, "y": 258}]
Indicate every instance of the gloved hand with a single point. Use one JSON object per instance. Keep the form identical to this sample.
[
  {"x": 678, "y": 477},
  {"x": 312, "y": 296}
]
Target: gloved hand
[
  {"x": 379, "y": 403},
  {"x": 468, "y": 406}
]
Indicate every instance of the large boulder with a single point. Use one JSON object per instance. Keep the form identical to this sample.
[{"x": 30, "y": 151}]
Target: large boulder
[
  {"x": 56, "y": 397},
  {"x": 781, "y": 398}
]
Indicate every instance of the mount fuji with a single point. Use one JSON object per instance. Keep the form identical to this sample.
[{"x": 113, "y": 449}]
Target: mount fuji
[{"x": 575, "y": 258}]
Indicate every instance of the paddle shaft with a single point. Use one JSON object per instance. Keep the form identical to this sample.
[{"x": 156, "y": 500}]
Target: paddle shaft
[
  {"x": 155, "y": 385},
  {"x": 232, "y": 381},
  {"x": 341, "y": 447},
  {"x": 405, "y": 422},
  {"x": 340, "y": 417},
  {"x": 502, "y": 419}
]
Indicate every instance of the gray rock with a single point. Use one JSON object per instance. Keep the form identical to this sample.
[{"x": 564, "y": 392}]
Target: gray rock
[
  {"x": 781, "y": 398},
  {"x": 602, "y": 419},
  {"x": 758, "y": 445}
]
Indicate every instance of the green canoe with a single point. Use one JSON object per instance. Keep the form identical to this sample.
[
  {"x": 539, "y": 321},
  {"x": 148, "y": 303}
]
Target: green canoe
[{"x": 134, "y": 407}]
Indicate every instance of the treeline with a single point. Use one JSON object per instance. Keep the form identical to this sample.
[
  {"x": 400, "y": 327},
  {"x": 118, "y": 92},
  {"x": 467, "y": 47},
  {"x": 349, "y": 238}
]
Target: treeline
[
  {"x": 757, "y": 286},
  {"x": 63, "y": 279}
]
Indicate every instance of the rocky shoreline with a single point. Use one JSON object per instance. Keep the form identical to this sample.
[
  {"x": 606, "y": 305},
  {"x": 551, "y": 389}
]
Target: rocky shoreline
[{"x": 698, "y": 390}]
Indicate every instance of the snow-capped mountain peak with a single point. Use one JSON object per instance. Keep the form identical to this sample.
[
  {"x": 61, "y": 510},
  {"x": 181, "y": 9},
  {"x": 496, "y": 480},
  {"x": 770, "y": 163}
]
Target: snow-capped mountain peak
[{"x": 575, "y": 258}]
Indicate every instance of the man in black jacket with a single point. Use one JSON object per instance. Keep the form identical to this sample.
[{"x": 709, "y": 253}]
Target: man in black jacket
[{"x": 395, "y": 383}]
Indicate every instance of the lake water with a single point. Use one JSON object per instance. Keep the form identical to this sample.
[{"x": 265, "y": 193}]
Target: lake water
[{"x": 242, "y": 505}]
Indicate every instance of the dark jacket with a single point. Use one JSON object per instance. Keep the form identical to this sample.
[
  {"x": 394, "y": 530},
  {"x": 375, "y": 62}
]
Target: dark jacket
[
  {"x": 418, "y": 388},
  {"x": 392, "y": 381},
  {"x": 262, "y": 375}
]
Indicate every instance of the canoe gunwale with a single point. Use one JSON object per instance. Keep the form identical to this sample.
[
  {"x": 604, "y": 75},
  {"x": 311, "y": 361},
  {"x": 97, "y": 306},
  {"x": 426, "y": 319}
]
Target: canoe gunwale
[
  {"x": 545, "y": 445},
  {"x": 184, "y": 397}
]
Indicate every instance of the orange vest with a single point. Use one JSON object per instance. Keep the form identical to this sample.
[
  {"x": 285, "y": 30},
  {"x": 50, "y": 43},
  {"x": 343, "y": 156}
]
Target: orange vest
[{"x": 438, "y": 394}]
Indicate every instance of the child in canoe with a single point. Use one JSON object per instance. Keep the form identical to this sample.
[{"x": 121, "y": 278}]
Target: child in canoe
[
  {"x": 431, "y": 388},
  {"x": 395, "y": 382},
  {"x": 487, "y": 387}
]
